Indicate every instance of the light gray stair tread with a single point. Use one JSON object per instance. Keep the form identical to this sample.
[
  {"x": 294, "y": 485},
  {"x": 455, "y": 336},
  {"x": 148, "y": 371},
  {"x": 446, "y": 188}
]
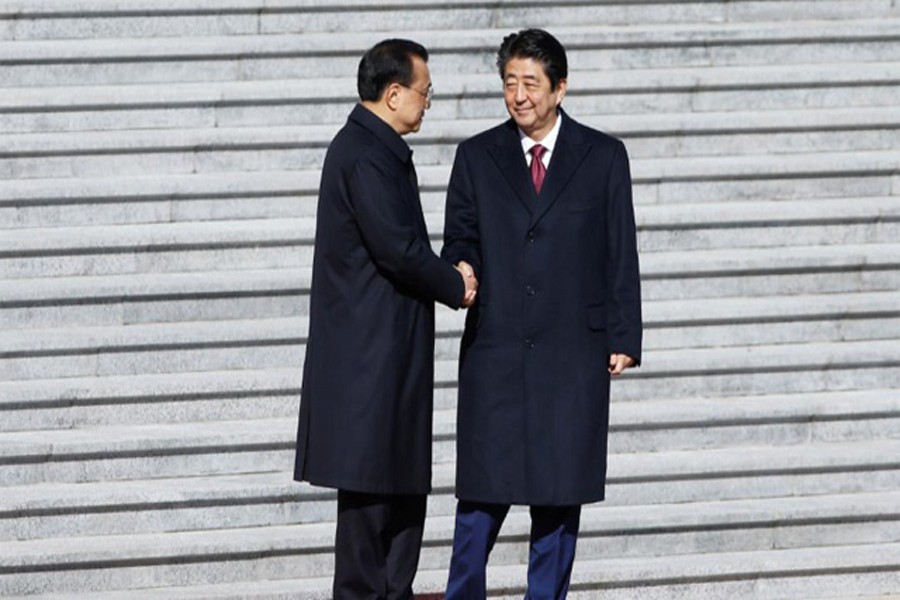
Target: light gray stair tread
[
  {"x": 654, "y": 264},
  {"x": 659, "y": 466},
  {"x": 767, "y": 307},
  {"x": 159, "y": 285},
  {"x": 41, "y": 392},
  {"x": 693, "y": 78},
  {"x": 752, "y": 166},
  {"x": 645, "y": 570},
  {"x": 766, "y": 259},
  {"x": 596, "y": 520},
  {"x": 461, "y": 40},
  {"x": 51, "y": 496},
  {"x": 103, "y": 237},
  {"x": 729, "y": 213},
  {"x": 105, "y": 7},
  {"x": 152, "y": 335},
  {"x": 657, "y": 415},
  {"x": 651, "y": 170},
  {"x": 667, "y": 570},
  {"x": 755, "y": 461},
  {"x": 682, "y": 124},
  {"x": 106, "y": 441},
  {"x": 710, "y": 412},
  {"x": 135, "y": 285},
  {"x": 504, "y": 579},
  {"x": 734, "y": 360},
  {"x": 767, "y": 212},
  {"x": 99, "y": 238},
  {"x": 158, "y": 335},
  {"x": 306, "y": 182},
  {"x": 779, "y": 356},
  {"x": 205, "y": 185}
]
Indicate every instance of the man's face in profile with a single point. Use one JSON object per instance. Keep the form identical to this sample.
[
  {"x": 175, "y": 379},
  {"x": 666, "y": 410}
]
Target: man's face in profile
[{"x": 414, "y": 100}]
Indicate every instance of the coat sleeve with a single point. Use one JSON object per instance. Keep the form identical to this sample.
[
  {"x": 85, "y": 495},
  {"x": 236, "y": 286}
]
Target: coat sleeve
[
  {"x": 389, "y": 230},
  {"x": 461, "y": 239},
  {"x": 622, "y": 269}
]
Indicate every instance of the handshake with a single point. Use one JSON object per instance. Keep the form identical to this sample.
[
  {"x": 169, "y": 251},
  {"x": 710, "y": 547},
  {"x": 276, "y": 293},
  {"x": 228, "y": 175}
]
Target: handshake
[{"x": 468, "y": 275}]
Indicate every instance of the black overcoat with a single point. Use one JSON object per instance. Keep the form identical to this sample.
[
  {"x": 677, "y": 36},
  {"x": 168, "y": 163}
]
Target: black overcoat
[
  {"x": 559, "y": 291},
  {"x": 368, "y": 379}
]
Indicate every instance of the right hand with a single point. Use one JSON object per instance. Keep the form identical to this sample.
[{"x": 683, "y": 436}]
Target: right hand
[{"x": 468, "y": 275}]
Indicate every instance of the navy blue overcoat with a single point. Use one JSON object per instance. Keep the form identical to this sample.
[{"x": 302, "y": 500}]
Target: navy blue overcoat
[
  {"x": 366, "y": 404},
  {"x": 559, "y": 291}
]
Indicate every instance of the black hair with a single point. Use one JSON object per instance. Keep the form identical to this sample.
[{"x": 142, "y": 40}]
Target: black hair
[
  {"x": 387, "y": 62},
  {"x": 538, "y": 45}
]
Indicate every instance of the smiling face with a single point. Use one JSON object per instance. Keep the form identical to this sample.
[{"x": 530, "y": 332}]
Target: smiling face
[{"x": 529, "y": 98}]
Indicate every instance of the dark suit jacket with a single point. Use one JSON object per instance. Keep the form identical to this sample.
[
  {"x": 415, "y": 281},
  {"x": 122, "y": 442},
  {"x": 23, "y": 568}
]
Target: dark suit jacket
[
  {"x": 366, "y": 405},
  {"x": 559, "y": 291}
]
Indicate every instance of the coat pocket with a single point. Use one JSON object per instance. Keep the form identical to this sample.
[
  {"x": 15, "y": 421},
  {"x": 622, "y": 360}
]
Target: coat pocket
[
  {"x": 596, "y": 317},
  {"x": 584, "y": 207}
]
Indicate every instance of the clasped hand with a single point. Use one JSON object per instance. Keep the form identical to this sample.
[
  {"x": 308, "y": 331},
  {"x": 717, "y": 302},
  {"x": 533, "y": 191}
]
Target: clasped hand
[{"x": 468, "y": 275}]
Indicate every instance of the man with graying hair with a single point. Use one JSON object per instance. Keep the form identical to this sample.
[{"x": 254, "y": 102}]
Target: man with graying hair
[
  {"x": 366, "y": 405},
  {"x": 540, "y": 206}
]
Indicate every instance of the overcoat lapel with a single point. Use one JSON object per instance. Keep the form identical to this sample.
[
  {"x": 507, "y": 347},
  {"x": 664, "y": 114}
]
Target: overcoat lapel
[
  {"x": 567, "y": 156},
  {"x": 507, "y": 153}
]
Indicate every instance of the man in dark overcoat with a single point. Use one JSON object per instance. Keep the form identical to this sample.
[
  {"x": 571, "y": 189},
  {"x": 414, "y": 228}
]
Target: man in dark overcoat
[
  {"x": 541, "y": 208},
  {"x": 366, "y": 405}
]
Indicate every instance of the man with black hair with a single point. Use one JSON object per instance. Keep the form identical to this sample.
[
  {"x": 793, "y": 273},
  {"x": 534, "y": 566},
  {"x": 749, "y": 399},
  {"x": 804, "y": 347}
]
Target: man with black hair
[
  {"x": 366, "y": 404},
  {"x": 540, "y": 206}
]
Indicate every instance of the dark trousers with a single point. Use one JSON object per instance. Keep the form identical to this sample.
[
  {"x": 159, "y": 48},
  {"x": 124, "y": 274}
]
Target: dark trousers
[
  {"x": 554, "y": 531},
  {"x": 377, "y": 545}
]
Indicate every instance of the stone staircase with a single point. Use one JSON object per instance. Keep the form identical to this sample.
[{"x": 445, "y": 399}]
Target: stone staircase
[{"x": 158, "y": 175}]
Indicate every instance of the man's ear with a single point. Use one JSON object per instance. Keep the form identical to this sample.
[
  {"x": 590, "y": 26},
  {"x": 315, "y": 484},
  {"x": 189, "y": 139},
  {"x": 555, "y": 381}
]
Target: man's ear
[
  {"x": 392, "y": 96},
  {"x": 561, "y": 91}
]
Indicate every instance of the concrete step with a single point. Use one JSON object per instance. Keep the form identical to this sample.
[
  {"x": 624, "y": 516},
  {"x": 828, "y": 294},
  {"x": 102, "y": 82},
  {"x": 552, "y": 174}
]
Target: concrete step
[
  {"x": 134, "y": 452},
  {"x": 305, "y": 550},
  {"x": 81, "y": 154},
  {"x": 711, "y": 226},
  {"x": 756, "y": 272},
  {"x": 748, "y": 370},
  {"x": 154, "y": 298},
  {"x": 55, "y": 306},
  {"x": 754, "y": 223},
  {"x": 53, "y": 509},
  {"x": 287, "y": 56},
  {"x": 660, "y": 228},
  {"x": 280, "y": 342},
  {"x": 55, "y": 19},
  {"x": 79, "y": 402},
  {"x": 298, "y": 102},
  {"x": 46, "y": 403},
  {"x": 273, "y": 244},
  {"x": 816, "y": 175},
  {"x": 672, "y": 292},
  {"x": 774, "y": 575},
  {"x": 153, "y": 349}
]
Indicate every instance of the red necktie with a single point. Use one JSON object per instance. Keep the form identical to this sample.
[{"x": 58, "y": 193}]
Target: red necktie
[{"x": 537, "y": 166}]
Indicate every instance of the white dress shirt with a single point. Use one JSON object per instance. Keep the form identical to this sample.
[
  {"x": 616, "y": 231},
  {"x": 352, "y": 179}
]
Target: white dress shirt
[{"x": 549, "y": 142}]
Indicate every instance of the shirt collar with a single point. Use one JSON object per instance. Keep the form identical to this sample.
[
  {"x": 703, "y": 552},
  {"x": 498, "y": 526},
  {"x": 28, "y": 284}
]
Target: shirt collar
[
  {"x": 384, "y": 132},
  {"x": 549, "y": 142}
]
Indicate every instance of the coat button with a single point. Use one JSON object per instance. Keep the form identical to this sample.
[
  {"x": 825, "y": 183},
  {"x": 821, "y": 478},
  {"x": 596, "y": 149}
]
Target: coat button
[
  {"x": 529, "y": 290},
  {"x": 530, "y": 236},
  {"x": 529, "y": 343}
]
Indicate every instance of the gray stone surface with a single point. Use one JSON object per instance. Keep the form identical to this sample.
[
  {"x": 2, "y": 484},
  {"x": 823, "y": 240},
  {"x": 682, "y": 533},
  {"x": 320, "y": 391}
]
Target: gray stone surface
[{"x": 157, "y": 200}]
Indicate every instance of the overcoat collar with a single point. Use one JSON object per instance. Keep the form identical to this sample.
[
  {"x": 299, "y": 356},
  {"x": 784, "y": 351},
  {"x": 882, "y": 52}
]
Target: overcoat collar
[
  {"x": 567, "y": 156},
  {"x": 384, "y": 132}
]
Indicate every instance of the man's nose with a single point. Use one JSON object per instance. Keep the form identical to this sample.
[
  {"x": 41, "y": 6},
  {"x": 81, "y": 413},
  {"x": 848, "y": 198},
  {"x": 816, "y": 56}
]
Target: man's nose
[{"x": 520, "y": 94}]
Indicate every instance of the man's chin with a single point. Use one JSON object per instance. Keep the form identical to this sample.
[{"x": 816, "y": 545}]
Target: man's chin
[{"x": 524, "y": 124}]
